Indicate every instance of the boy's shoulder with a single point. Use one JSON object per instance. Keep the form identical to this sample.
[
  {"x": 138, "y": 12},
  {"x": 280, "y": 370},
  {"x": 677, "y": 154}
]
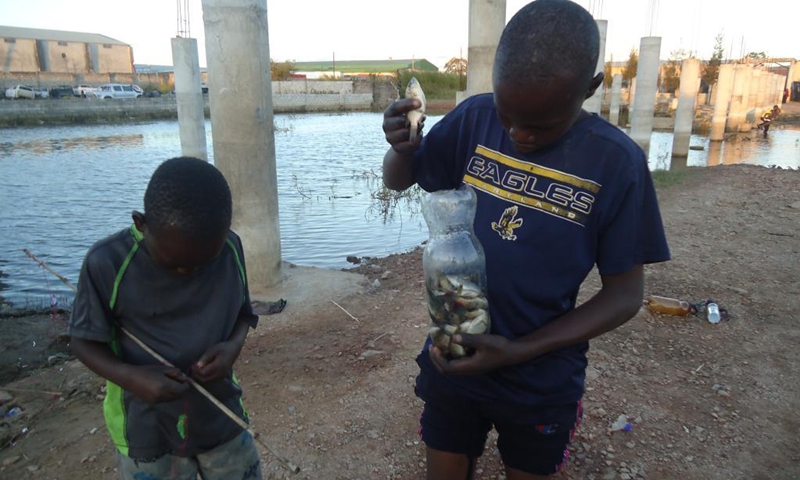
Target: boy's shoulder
[
  {"x": 618, "y": 150},
  {"x": 111, "y": 250}
]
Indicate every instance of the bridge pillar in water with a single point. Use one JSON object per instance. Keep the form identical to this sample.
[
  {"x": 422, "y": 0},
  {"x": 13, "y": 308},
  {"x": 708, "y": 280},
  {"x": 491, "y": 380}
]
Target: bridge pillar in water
[
  {"x": 487, "y": 18},
  {"x": 741, "y": 83},
  {"x": 594, "y": 103},
  {"x": 189, "y": 97},
  {"x": 240, "y": 95},
  {"x": 646, "y": 86},
  {"x": 721, "y": 102},
  {"x": 684, "y": 117},
  {"x": 616, "y": 99}
]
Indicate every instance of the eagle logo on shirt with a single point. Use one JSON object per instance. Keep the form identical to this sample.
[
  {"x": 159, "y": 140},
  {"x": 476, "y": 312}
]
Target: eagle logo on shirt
[{"x": 505, "y": 227}]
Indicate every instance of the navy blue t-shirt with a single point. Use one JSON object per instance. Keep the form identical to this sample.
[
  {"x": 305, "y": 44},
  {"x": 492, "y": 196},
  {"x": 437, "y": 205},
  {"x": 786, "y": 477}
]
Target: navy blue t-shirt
[{"x": 544, "y": 220}]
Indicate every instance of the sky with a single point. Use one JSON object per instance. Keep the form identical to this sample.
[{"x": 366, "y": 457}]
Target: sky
[{"x": 437, "y": 30}]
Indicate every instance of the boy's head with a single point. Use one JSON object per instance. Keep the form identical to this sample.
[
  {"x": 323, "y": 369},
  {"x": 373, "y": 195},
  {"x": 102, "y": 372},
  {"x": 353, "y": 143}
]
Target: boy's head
[
  {"x": 544, "y": 69},
  {"x": 187, "y": 215}
]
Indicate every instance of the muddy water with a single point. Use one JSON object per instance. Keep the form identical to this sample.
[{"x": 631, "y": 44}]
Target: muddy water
[{"x": 62, "y": 188}]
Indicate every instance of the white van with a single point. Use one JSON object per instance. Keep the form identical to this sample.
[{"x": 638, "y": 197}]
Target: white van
[{"x": 117, "y": 90}]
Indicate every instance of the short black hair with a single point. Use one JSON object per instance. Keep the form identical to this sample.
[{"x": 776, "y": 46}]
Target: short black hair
[
  {"x": 191, "y": 195},
  {"x": 547, "y": 39}
]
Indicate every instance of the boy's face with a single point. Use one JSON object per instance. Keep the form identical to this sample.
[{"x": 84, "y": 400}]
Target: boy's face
[
  {"x": 536, "y": 115},
  {"x": 175, "y": 251}
]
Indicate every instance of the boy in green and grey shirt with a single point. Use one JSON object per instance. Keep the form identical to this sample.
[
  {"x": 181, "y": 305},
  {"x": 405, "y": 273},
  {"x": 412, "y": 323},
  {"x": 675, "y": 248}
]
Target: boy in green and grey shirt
[{"x": 175, "y": 279}]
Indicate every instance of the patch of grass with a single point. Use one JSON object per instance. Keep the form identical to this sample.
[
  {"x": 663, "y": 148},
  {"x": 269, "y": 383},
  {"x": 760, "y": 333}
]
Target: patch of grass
[{"x": 670, "y": 178}]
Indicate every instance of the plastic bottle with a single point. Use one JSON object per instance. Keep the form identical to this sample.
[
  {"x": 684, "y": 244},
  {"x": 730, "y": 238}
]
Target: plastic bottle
[
  {"x": 713, "y": 312},
  {"x": 454, "y": 265},
  {"x": 669, "y": 306}
]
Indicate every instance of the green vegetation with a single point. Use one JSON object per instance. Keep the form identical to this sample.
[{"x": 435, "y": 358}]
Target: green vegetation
[
  {"x": 670, "y": 178},
  {"x": 281, "y": 71},
  {"x": 711, "y": 69},
  {"x": 631, "y": 66},
  {"x": 436, "y": 85},
  {"x": 671, "y": 79}
]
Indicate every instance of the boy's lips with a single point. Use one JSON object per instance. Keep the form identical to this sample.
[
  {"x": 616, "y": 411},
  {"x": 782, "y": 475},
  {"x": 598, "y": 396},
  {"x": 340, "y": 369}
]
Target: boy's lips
[{"x": 525, "y": 147}]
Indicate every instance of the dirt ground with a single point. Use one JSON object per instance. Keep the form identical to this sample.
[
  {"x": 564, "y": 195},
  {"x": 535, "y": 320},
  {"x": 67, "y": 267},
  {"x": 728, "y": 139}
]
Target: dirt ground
[{"x": 335, "y": 393}]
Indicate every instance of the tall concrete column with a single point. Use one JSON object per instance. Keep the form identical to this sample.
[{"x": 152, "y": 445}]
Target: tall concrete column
[
  {"x": 189, "y": 95},
  {"x": 594, "y": 103},
  {"x": 722, "y": 100},
  {"x": 761, "y": 91},
  {"x": 750, "y": 110},
  {"x": 240, "y": 93},
  {"x": 646, "y": 86},
  {"x": 487, "y": 18},
  {"x": 616, "y": 99},
  {"x": 736, "y": 115},
  {"x": 684, "y": 117}
]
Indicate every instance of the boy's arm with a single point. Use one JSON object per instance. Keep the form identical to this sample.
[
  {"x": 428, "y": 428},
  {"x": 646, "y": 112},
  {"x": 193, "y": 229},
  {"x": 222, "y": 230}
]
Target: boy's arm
[
  {"x": 398, "y": 173},
  {"x": 617, "y": 302},
  {"x": 152, "y": 383}
]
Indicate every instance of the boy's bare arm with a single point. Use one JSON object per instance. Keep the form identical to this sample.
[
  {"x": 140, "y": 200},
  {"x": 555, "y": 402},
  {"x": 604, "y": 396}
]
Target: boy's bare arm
[
  {"x": 151, "y": 383},
  {"x": 217, "y": 362},
  {"x": 617, "y": 302},
  {"x": 398, "y": 171}
]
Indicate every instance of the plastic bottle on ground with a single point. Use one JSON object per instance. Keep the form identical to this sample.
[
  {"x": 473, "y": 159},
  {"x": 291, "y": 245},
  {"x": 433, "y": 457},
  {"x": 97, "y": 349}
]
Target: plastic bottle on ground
[
  {"x": 713, "y": 312},
  {"x": 669, "y": 306}
]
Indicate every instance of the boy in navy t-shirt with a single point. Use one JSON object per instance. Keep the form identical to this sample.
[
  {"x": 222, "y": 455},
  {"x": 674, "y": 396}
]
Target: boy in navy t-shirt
[{"x": 578, "y": 193}]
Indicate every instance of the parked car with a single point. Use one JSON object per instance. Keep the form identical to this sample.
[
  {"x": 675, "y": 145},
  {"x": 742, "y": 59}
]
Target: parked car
[
  {"x": 21, "y": 91},
  {"x": 82, "y": 90},
  {"x": 41, "y": 93},
  {"x": 61, "y": 91},
  {"x": 117, "y": 90}
]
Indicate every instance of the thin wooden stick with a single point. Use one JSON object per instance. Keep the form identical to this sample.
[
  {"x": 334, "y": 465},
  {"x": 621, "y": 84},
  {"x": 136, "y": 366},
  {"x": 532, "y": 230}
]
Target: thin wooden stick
[
  {"x": 46, "y": 267},
  {"x": 29, "y": 390},
  {"x": 345, "y": 311},
  {"x": 284, "y": 461}
]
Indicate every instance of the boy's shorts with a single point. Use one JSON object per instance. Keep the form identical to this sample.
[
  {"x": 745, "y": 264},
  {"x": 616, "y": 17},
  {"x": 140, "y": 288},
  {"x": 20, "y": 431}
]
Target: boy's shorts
[
  {"x": 236, "y": 459},
  {"x": 531, "y": 439}
]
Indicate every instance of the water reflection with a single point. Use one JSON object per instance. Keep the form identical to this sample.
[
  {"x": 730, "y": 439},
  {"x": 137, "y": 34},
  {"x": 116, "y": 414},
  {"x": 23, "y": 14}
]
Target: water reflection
[{"x": 49, "y": 146}]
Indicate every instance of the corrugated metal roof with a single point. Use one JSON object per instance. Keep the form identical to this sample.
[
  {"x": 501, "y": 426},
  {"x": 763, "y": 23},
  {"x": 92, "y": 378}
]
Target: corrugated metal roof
[{"x": 56, "y": 35}]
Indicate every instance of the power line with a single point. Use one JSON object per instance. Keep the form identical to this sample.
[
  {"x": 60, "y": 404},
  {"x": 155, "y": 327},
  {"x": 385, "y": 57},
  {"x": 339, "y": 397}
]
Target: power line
[{"x": 184, "y": 20}]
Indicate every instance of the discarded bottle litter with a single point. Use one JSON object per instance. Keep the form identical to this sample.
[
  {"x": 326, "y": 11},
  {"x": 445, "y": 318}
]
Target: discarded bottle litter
[
  {"x": 713, "y": 312},
  {"x": 621, "y": 424},
  {"x": 669, "y": 306},
  {"x": 14, "y": 412}
]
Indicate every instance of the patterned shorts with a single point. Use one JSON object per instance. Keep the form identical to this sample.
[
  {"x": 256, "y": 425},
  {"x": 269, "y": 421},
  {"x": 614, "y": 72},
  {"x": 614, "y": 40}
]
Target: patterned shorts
[{"x": 234, "y": 460}]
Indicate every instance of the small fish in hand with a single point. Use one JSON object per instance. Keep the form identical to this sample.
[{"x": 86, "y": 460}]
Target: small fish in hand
[{"x": 414, "y": 90}]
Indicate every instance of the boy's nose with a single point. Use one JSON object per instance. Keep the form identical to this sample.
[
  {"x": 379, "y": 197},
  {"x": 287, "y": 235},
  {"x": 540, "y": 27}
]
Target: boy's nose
[{"x": 521, "y": 136}]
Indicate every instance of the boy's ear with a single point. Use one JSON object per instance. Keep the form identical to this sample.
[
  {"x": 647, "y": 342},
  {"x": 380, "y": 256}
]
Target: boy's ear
[
  {"x": 595, "y": 84},
  {"x": 138, "y": 220}
]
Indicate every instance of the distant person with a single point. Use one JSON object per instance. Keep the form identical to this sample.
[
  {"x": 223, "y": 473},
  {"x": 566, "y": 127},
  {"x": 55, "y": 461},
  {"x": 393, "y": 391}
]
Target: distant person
[
  {"x": 785, "y": 95},
  {"x": 175, "y": 279},
  {"x": 581, "y": 196},
  {"x": 767, "y": 118}
]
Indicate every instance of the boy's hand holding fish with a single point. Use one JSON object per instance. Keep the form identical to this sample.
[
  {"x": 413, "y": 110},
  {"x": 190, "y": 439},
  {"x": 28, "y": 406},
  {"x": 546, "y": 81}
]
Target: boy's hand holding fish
[{"x": 404, "y": 120}]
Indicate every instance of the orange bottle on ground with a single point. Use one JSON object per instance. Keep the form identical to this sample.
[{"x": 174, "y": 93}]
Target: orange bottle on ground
[{"x": 669, "y": 306}]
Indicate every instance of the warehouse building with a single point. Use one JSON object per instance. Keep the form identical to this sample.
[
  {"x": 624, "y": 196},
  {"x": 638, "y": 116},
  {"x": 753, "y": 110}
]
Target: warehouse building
[{"x": 33, "y": 50}]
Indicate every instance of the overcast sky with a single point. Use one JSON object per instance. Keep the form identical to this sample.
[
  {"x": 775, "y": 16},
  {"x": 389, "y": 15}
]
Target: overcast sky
[{"x": 305, "y": 30}]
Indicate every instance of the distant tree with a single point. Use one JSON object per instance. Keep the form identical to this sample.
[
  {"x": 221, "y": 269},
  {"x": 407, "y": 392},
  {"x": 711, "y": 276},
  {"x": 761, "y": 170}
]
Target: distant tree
[
  {"x": 711, "y": 69},
  {"x": 456, "y": 65},
  {"x": 671, "y": 76},
  {"x": 757, "y": 55},
  {"x": 631, "y": 66},
  {"x": 608, "y": 71},
  {"x": 282, "y": 70}
]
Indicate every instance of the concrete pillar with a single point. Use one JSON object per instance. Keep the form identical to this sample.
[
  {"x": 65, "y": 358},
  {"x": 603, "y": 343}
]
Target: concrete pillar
[
  {"x": 240, "y": 94},
  {"x": 750, "y": 116},
  {"x": 794, "y": 71},
  {"x": 616, "y": 99},
  {"x": 684, "y": 117},
  {"x": 714, "y": 154},
  {"x": 647, "y": 84},
  {"x": 487, "y": 18},
  {"x": 189, "y": 95},
  {"x": 761, "y": 90},
  {"x": 736, "y": 115},
  {"x": 631, "y": 94},
  {"x": 721, "y": 102},
  {"x": 594, "y": 103}
]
